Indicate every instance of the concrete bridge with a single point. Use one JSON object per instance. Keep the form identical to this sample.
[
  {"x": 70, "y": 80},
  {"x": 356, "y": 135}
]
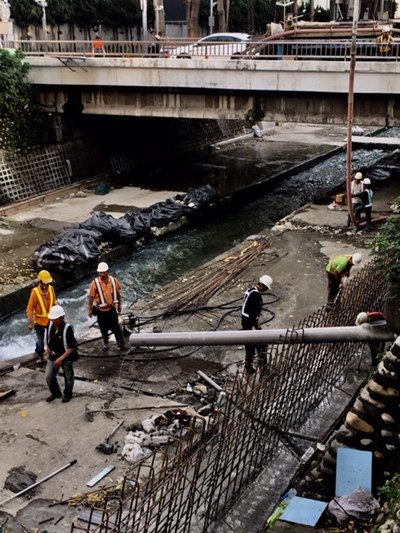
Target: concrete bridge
[{"x": 288, "y": 88}]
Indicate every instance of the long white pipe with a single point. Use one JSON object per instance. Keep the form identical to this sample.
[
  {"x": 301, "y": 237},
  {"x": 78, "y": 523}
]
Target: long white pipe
[{"x": 363, "y": 333}]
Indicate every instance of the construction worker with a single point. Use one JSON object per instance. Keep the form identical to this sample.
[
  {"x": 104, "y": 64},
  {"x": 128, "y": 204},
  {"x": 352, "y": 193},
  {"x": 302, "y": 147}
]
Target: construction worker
[
  {"x": 356, "y": 188},
  {"x": 376, "y": 347},
  {"x": 366, "y": 197},
  {"x": 98, "y": 46},
  {"x": 385, "y": 42},
  {"x": 105, "y": 293},
  {"x": 338, "y": 269},
  {"x": 41, "y": 300},
  {"x": 251, "y": 311},
  {"x": 62, "y": 351}
]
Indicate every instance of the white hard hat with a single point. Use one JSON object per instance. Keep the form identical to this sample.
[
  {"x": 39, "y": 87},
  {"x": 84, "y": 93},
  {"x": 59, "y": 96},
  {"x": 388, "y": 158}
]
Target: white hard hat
[
  {"x": 102, "y": 267},
  {"x": 366, "y": 181},
  {"x": 266, "y": 280},
  {"x": 386, "y": 29},
  {"x": 358, "y": 176},
  {"x": 362, "y": 318},
  {"x": 357, "y": 258},
  {"x": 56, "y": 312}
]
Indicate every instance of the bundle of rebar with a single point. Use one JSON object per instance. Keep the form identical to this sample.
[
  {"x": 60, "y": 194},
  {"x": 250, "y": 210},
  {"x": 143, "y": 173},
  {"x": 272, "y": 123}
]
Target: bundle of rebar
[{"x": 196, "y": 291}]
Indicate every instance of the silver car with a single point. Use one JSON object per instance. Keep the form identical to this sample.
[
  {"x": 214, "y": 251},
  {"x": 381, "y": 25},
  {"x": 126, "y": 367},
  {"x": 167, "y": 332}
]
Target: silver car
[{"x": 216, "y": 44}]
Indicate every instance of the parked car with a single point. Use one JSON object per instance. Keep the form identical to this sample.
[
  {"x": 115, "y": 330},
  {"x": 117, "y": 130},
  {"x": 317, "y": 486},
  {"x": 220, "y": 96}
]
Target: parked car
[{"x": 216, "y": 44}]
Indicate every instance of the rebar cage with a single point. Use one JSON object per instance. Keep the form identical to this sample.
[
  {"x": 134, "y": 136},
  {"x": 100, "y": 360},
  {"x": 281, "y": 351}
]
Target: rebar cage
[{"x": 189, "y": 484}]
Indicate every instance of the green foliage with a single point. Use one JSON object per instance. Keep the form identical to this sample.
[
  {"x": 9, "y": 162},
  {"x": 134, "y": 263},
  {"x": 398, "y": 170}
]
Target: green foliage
[
  {"x": 18, "y": 113},
  {"x": 25, "y": 13},
  {"x": 390, "y": 492},
  {"x": 387, "y": 250}
]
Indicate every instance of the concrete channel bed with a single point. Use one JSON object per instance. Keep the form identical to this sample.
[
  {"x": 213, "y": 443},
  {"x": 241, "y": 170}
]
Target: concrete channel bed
[{"x": 42, "y": 438}]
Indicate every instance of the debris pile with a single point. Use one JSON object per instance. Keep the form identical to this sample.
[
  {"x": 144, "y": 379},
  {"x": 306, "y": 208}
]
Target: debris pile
[
  {"x": 159, "y": 430},
  {"x": 81, "y": 245}
]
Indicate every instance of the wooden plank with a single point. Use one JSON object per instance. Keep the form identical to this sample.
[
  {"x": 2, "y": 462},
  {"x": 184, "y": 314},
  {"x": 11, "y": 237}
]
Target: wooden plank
[{"x": 6, "y": 394}]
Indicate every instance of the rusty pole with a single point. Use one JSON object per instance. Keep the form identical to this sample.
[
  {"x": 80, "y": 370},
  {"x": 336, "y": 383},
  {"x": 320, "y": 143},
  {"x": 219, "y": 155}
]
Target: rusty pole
[{"x": 350, "y": 111}]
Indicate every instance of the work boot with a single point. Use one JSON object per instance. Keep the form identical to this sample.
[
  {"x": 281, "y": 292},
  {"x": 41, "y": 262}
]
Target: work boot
[
  {"x": 105, "y": 347},
  {"x": 66, "y": 399},
  {"x": 53, "y": 397},
  {"x": 122, "y": 346},
  {"x": 40, "y": 358}
]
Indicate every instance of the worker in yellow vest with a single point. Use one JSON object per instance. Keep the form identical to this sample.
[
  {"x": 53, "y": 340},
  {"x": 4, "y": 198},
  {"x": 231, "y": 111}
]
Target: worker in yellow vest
[{"x": 41, "y": 300}]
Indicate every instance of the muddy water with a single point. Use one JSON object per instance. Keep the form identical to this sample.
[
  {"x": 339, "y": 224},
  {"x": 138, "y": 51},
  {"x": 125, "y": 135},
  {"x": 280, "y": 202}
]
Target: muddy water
[{"x": 161, "y": 261}]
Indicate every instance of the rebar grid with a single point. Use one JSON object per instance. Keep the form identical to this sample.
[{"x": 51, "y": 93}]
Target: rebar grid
[
  {"x": 24, "y": 177},
  {"x": 199, "y": 478}
]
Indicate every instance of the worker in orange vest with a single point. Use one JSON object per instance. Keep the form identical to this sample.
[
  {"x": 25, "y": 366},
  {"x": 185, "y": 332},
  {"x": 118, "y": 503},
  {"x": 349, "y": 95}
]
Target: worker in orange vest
[
  {"x": 98, "y": 46},
  {"x": 41, "y": 300}
]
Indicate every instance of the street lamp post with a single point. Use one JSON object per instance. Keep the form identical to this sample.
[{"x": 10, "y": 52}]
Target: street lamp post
[
  {"x": 143, "y": 7},
  {"x": 43, "y": 5},
  {"x": 284, "y": 5},
  {"x": 211, "y": 18}
]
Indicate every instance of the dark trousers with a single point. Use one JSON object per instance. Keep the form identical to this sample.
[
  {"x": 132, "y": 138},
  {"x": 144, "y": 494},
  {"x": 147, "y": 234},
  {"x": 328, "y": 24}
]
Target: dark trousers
[
  {"x": 40, "y": 333},
  {"x": 367, "y": 210},
  {"x": 333, "y": 287},
  {"x": 51, "y": 378},
  {"x": 354, "y": 211},
  {"x": 108, "y": 321},
  {"x": 247, "y": 325}
]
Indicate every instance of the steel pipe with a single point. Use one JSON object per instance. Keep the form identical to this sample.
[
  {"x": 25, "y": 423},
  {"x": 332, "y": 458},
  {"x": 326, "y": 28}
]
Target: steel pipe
[{"x": 362, "y": 333}]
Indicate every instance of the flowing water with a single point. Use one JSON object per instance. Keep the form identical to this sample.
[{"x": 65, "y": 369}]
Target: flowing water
[{"x": 161, "y": 261}]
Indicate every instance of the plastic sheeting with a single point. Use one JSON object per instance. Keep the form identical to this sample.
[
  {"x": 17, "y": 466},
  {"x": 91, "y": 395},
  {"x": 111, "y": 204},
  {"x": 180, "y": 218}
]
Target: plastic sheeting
[
  {"x": 76, "y": 247},
  {"x": 360, "y": 504}
]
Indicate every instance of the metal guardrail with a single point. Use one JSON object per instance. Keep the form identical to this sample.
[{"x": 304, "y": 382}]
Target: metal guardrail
[
  {"x": 338, "y": 50},
  {"x": 191, "y": 483}
]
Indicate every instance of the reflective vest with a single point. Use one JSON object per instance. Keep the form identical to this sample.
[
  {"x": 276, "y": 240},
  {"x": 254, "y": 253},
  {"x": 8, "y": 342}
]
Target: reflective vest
[
  {"x": 51, "y": 326},
  {"x": 103, "y": 302},
  {"x": 52, "y": 297}
]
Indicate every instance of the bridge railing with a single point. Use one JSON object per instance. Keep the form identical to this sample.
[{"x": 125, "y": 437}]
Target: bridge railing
[{"x": 340, "y": 50}]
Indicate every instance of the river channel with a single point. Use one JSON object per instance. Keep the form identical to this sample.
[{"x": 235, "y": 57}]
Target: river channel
[{"x": 161, "y": 261}]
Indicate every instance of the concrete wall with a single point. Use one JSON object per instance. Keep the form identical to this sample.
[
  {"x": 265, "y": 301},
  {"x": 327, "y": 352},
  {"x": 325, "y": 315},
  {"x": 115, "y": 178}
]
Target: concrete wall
[{"x": 307, "y": 91}]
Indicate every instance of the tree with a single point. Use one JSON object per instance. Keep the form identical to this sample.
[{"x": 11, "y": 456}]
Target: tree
[
  {"x": 192, "y": 15},
  {"x": 25, "y": 13},
  {"x": 223, "y": 14},
  {"x": 19, "y": 116}
]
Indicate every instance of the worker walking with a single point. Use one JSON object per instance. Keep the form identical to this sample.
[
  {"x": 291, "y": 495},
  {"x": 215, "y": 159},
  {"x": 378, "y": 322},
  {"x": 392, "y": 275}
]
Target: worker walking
[
  {"x": 62, "y": 352},
  {"x": 251, "y": 311},
  {"x": 105, "y": 293},
  {"x": 338, "y": 269},
  {"x": 41, "y": 300}
]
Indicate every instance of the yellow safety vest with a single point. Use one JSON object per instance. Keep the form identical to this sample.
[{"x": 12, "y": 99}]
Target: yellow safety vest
[{"x": 45, "y": 312}]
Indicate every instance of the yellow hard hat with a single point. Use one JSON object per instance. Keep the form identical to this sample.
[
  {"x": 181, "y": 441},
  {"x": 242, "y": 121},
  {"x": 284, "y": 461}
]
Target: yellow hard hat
[{"x": 44, "y": 276}]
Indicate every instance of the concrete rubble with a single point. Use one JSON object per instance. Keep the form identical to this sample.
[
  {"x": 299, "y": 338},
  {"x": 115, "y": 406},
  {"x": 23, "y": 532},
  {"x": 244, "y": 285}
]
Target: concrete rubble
[{"x": 39, "y": 437}]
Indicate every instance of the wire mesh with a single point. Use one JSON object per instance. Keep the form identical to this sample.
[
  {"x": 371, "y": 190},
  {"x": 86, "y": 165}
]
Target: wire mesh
[{"x": 193, "y": 482}]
